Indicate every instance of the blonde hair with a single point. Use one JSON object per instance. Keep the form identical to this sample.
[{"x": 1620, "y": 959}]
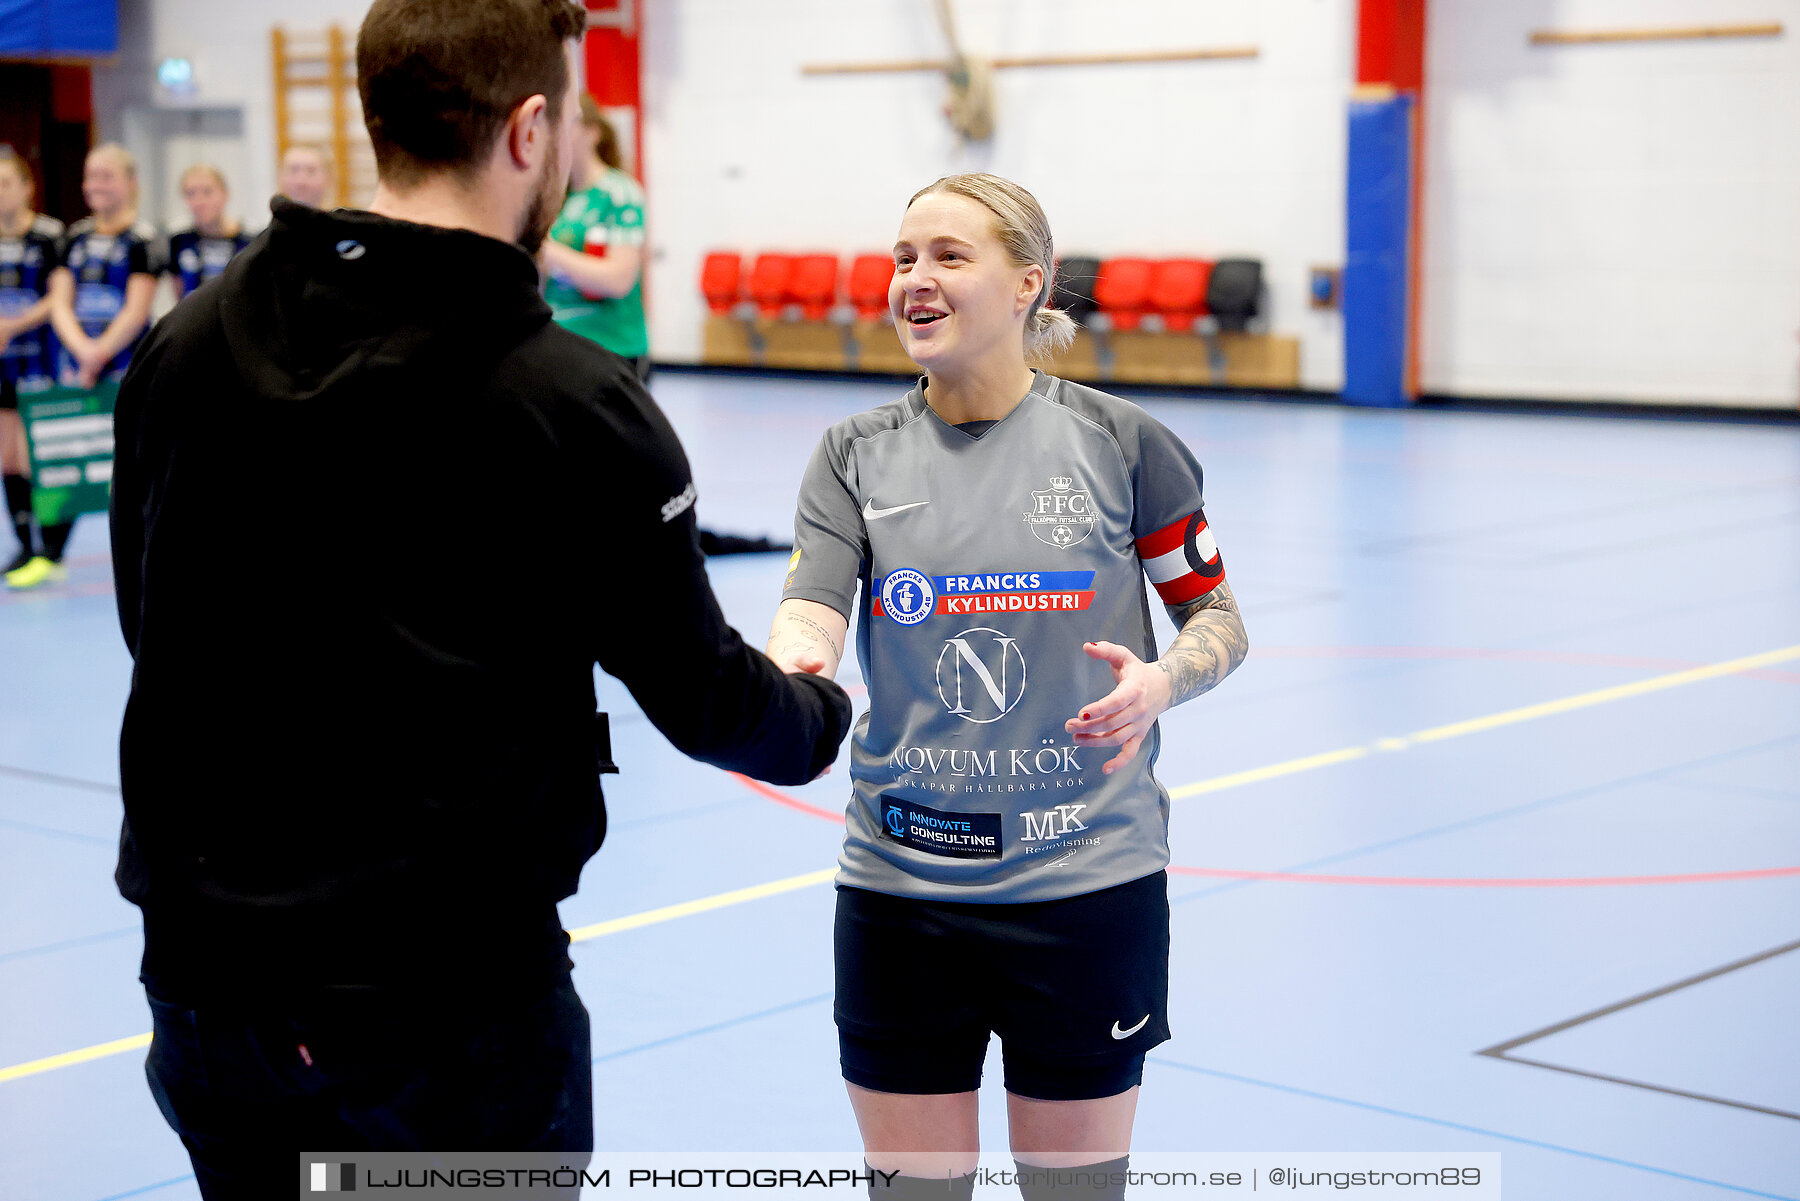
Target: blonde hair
[
  {"x": 1024, "y": 231},
  {"x": 326, "y": 164},
  {"x": 218, "y": 176},
  {"x": 12, "y": 158},
  {"x": 123, "y": 159},
  {"x": 127, "y": 161}
]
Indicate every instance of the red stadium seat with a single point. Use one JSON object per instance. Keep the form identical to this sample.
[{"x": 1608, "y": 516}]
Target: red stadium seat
[
  {"x": 814, "y": 285},
  {"x": 1178, "y": 292},
  {"x": 1123, "y": 291},
  {"x": 770, "y": 278},
  {"x": 869, "y": 277},
  {"x": 722, "y": 281}
]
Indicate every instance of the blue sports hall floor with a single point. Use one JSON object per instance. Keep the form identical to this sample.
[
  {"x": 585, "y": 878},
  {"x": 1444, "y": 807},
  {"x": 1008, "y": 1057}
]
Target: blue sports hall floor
[{"x": 1492, "y": 845}]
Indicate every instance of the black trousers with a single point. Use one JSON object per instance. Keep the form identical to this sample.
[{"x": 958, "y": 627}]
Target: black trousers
[{"x": 249, "y": 1089}]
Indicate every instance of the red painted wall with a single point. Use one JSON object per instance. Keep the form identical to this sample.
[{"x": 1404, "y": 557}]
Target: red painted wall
[
  {"x": 615, "y": 66},
  {"x": 71, "y": 94},
  {"x": 1390, "y": 45}
]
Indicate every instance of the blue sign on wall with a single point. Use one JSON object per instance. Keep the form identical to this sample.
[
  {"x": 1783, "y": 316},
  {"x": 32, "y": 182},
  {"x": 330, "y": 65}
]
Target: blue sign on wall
[{"x": 59, "y": 28}]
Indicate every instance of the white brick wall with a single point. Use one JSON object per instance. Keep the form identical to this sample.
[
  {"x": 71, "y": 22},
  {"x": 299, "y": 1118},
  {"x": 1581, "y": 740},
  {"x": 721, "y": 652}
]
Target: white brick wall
[
  {"x": 1612, "y": 221},
  {"x": 1600, "y": 221},
  {"x": 1210, "y": 159}
]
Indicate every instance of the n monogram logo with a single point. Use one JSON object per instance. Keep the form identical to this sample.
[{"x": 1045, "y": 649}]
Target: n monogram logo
[{"x": 980, "y": 675}]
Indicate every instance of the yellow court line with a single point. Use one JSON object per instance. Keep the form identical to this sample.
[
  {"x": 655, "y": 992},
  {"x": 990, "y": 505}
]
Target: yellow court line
[
  {"x": 1476, "y": 725},
  {"x": 1258, "y": 774},
  {"x": 117, "y": 1046},
  {"x": 667, "y": 913},
  {"x": 1601, "y": 696},
  {"x": 650, "y": 917}
]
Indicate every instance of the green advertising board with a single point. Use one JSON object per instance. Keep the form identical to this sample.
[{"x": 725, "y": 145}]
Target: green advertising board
[{"x": 71, "y": 435}]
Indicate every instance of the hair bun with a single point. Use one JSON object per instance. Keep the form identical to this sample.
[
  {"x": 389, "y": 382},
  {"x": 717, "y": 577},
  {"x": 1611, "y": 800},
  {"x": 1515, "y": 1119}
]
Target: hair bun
[{"x": 1050, "y": 330}]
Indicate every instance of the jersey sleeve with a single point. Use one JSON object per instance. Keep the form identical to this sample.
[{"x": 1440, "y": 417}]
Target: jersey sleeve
[
  {"x": 148, "y": 255},
  {"x": 625, "y": 221},
  {"x": 1174, "y": 542},
  {"x": 831, "y": 544},
  {"x": 717, "y": 699}
]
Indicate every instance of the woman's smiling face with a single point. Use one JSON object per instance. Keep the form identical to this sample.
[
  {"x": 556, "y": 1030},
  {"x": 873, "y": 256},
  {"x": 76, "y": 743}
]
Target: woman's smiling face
[
  {"x": 205, "y": 198},
  {"x": 956, "y": 295},
  {"x": 105, "y": 184}
]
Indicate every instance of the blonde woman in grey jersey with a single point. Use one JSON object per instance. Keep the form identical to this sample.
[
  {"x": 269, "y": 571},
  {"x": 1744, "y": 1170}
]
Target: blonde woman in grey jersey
[{"x": 1003, "y": 868}]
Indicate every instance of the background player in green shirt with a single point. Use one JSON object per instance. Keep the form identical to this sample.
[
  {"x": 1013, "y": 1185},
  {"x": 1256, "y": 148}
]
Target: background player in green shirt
[
  {"x": 593, "y": 262},
  {"x": 594, "y": 257}
]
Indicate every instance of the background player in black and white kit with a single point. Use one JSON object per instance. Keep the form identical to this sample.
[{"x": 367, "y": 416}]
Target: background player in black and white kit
[
  {"x": 201, "y": 253},
  {"x": 101, "y": 292},
  {"x": 997, "y": 876},
  {"x": 100, "y": 297},
  {"x": 27, "y": 256}
]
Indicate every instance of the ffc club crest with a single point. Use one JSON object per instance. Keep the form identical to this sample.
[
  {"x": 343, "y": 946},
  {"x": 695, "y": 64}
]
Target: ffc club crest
[{"x": 1061, "y": 514}]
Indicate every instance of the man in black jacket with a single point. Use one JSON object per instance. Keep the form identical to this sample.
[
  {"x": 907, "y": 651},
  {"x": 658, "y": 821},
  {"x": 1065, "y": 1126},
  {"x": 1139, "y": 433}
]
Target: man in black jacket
[{"x": 360, "y": 766}]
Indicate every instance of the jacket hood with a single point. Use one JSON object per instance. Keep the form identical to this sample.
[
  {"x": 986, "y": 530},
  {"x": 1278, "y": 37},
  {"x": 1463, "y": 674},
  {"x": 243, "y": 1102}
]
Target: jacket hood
[{"x": 321, "y": 297}]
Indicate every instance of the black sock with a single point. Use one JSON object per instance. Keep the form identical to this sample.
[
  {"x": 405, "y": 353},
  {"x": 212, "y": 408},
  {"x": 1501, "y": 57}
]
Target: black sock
[
  {"x": 891, "y": 1186},
  {"x": 1089, "y": 1182},
  {"x": 18, "y": 503},
  {"x": 56, "y": 539}
]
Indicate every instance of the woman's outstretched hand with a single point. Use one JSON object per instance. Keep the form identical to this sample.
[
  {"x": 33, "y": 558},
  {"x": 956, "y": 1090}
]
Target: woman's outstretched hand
[{"x": 1123, "y": 716}]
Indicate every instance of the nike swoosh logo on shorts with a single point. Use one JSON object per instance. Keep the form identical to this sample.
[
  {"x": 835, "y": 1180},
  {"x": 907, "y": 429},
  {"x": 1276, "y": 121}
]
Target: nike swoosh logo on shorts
[
  {"x": 1118, "y": 1033},
  {"x": 870, "y": 512}
]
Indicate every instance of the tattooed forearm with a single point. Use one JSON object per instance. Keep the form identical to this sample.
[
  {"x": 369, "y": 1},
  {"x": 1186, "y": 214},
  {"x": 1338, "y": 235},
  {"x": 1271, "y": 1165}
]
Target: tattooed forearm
[
  {"x": 1211, "y": 644},
  {"x": 794, "y": 650},
  {"x": 815, "y": 628},
  {"x": 1221, "y": 597}
]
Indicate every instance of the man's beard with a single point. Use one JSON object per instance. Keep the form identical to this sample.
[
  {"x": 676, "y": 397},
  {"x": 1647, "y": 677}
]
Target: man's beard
[{"x": 546, "y": 204}]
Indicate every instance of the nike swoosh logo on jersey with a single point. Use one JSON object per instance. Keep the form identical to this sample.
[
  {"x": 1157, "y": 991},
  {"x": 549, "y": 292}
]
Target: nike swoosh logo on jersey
[
  {"x": 1118, "y": 1033},
  {"x": 870, "y": 512}
]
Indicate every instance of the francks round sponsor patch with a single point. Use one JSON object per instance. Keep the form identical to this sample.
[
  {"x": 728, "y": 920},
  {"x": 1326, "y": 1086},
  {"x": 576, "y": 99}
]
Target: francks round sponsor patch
[{"x": 907, "y": 596}]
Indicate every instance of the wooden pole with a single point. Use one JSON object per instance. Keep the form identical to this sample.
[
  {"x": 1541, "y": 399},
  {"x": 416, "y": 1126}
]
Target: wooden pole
[
  {"x": 1555, "y": 37},
  {"x": 278, "y": 48},
  {"x": 1043, "y": 60},
  {"x": 337, "y": 79}
]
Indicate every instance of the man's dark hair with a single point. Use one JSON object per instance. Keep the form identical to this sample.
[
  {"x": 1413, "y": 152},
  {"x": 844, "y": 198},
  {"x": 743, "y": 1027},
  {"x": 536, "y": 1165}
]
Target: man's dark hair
[{"x": 439, "y": 78}]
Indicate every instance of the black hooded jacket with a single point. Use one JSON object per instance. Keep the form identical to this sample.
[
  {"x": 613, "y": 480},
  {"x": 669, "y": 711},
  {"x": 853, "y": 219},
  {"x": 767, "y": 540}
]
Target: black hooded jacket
[{"x": 375, "y": 519}]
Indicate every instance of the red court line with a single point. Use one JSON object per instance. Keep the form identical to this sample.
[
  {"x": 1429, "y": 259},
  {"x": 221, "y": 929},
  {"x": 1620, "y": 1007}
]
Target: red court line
[
  {"x": 781, "y": 798},
  {"x": 1572, "y": 658},
  {"x": 1225, "y": 873}
]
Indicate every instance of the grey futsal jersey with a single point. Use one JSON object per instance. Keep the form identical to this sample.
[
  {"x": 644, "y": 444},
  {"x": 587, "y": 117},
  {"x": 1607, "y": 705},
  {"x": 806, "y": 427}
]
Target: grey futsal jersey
[{"x": 985, "y": 562}]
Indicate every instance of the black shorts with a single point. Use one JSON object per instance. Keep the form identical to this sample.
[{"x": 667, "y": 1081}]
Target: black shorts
[
  {"x": 1077, "y": 990},
  {"x": 9, "y": 390}
]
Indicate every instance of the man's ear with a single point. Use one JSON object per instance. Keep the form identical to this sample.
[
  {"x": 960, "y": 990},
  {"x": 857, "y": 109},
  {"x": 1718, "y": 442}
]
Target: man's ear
[{"x": 528, "y": 133}]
